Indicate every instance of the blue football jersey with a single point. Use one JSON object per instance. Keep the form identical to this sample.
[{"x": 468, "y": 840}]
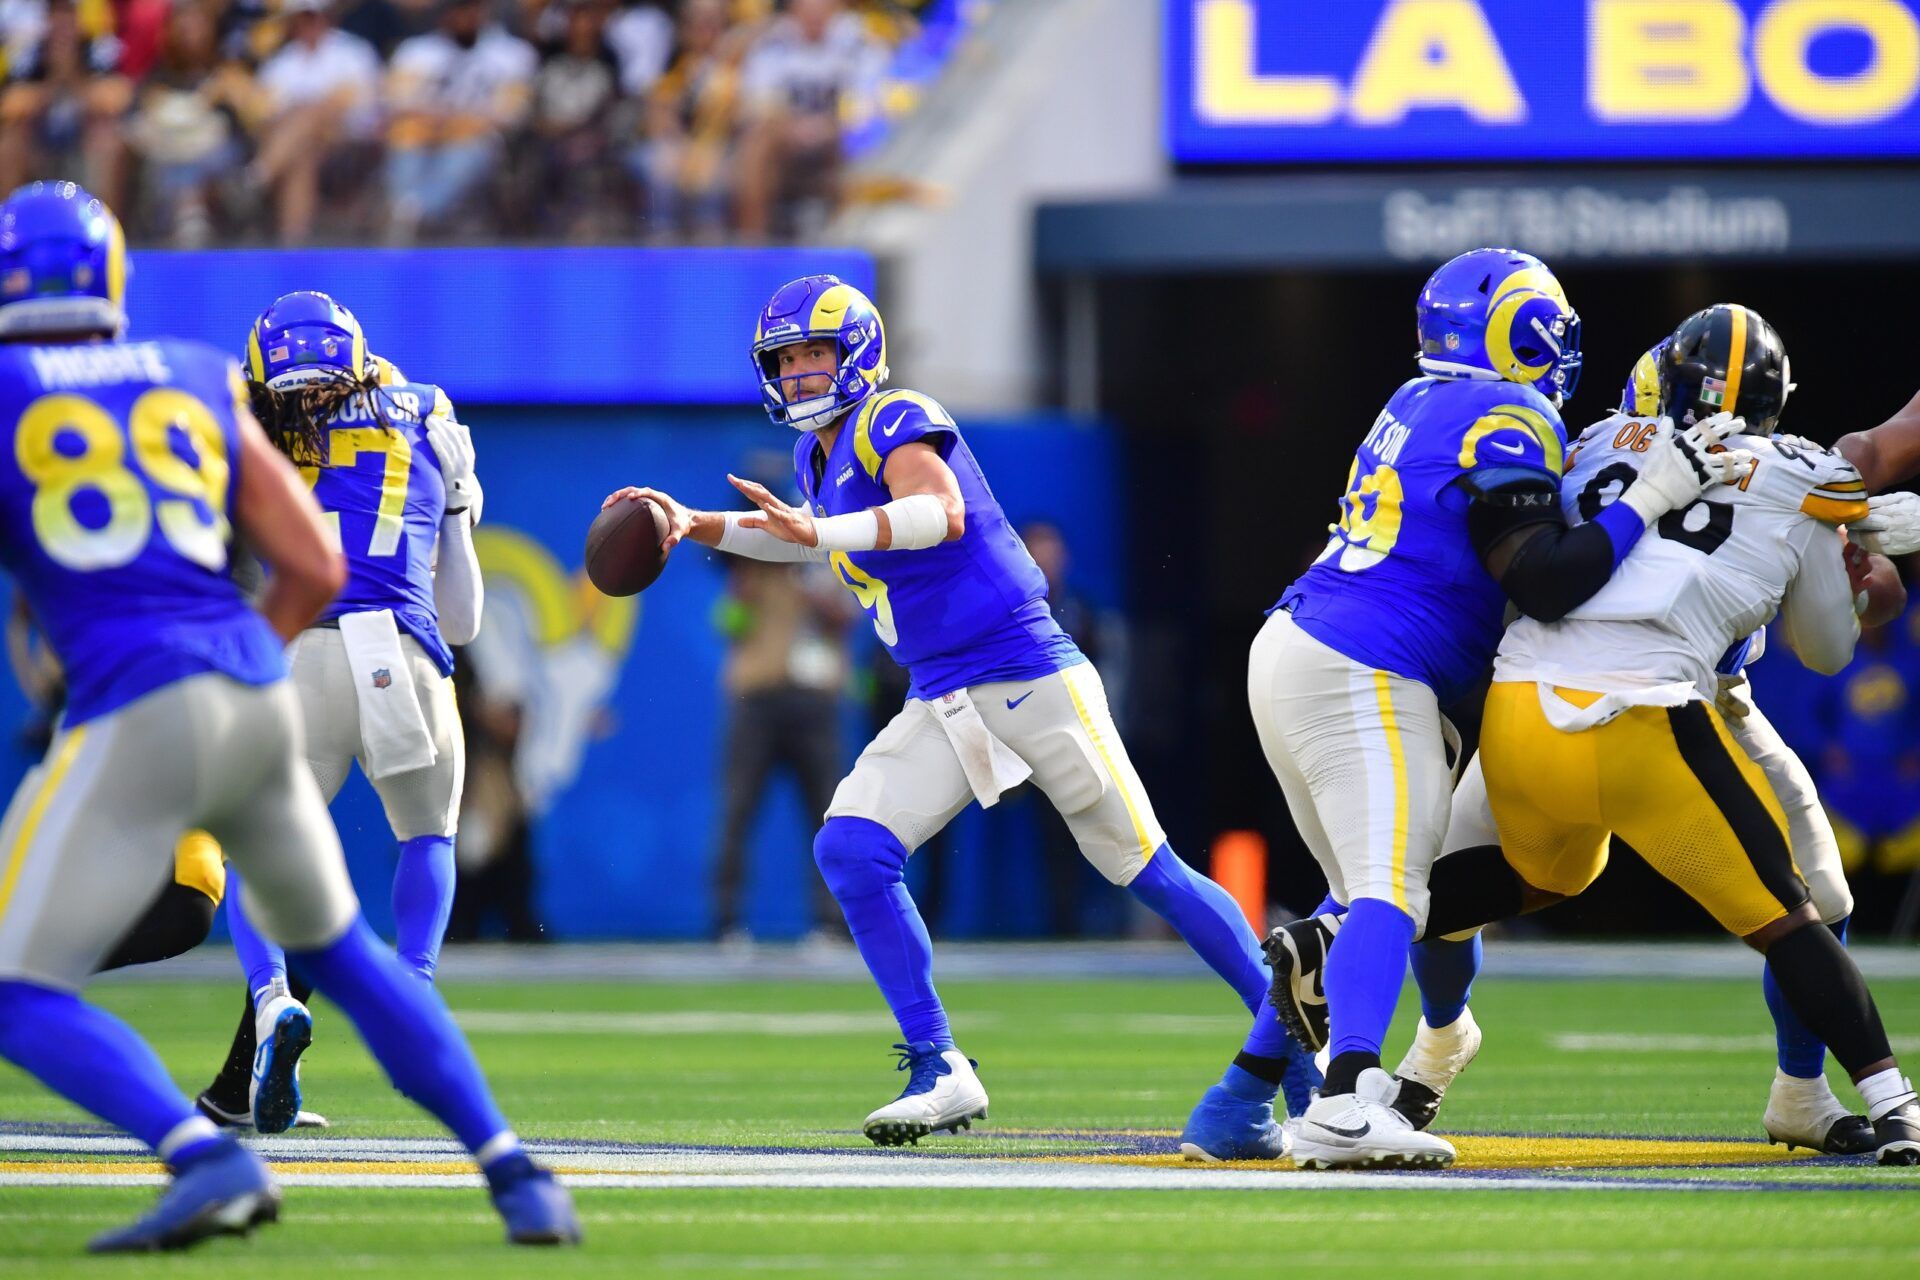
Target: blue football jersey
[
  {"x": 114, "y": 502},
  {"x": 962, "y": 613},
  {"x": 382, "y": 492},
  {"x": 1399, "y": 586}
]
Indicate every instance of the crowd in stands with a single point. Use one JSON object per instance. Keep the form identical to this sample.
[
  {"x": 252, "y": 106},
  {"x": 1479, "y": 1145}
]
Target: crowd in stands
[{"x": 332, "y": 121}]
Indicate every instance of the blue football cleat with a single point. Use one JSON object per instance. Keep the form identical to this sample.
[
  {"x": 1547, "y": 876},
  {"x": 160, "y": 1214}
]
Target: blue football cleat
[
  {"x": 283, "y": 1029},
  {"x": 227, "y": 1191},
  {"x": 1234, "y": 1121},
  {"x": 536, "y": 1208}
]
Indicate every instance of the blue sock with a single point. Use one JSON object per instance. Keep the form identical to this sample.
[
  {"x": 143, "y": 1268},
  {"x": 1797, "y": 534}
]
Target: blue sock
[
  {"x": 100, "y": 1064},
  {"x": 1444, "y": 972},
  {"x": 1330, "y": 906},
  {"x": 1801, "y": 1053},
  {"x": 265, "y": 964},
  {"x": 422, "y": 900},
  {"x": 864, "y": 865},
  {"x": 1365, "y": 968},
  {"x": 1209, "y": 920},
  {"x": 407, "y": 1027}
]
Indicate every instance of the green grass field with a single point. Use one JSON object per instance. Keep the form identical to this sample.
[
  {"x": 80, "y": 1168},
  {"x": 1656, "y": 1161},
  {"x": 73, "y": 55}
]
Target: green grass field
[{"x": 775, "y": 1066}]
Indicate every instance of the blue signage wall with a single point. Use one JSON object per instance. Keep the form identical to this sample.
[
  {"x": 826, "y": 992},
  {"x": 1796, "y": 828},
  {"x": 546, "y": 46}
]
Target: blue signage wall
[
  {"x": 620, "y": 708},
  {"x": 509, "y": 326},
  {"x": 1274, "y": 81}
]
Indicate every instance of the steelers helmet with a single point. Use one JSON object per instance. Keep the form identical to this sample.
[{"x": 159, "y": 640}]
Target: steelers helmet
[{"x": 1725, "y": 359}]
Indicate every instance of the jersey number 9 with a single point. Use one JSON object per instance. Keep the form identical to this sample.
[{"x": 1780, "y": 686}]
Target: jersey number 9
[
  {"x": 193, "y": 520},
  {"x": 871, "y": 593},
  {"x": 1369, "y": 517}
]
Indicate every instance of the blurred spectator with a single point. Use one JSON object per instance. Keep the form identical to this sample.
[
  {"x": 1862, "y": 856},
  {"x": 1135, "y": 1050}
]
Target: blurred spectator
[
  {"x": 575, "y": 98},
  {"x": 320, "y": 91},
  {"x": 188, "y": 123},
  {"x": 641, "y": 36},
  {"x": 691, "y": 118},
  {"x": 799, "y": 77},
  {"x": 385, "y": 23},
  {"x": 784, "y": 675},
  {"x": 61, "y": 108},
  {"x": 454, "y": 96}
]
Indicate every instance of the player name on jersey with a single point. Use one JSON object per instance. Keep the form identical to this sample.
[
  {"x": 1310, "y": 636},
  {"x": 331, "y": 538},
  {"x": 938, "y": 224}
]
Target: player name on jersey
[{"x": 57, "y": 368}]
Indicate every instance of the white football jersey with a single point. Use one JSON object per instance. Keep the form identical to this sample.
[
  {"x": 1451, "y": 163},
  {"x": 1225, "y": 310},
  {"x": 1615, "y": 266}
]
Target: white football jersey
[{"x": 1703, "y": 577}]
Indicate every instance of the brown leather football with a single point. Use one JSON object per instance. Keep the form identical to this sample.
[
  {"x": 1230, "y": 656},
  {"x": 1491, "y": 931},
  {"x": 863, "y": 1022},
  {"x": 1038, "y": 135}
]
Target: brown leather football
[{"x": 623, "y": 547}]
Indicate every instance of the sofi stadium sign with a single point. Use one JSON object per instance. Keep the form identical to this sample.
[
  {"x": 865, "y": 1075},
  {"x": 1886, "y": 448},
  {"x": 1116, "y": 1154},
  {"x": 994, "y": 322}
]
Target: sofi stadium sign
[{"x": 1266, "y": 81}]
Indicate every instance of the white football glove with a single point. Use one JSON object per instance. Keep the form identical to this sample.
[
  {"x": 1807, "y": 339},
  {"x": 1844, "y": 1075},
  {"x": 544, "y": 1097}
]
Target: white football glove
[
  {"x": 1681, "y": 466},
  {"x": 1730, "y": 697},
  {"x": 1892, "y": 526},
  {"x": 453, "y": 445}
]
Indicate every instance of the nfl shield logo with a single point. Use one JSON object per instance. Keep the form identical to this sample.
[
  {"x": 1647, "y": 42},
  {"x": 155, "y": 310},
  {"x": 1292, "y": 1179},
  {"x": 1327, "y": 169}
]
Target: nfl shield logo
[
  {"x": 1453, "y": 341},
  {"x": 1713, "y": 391},
  {"x": 382, "y": 677}
]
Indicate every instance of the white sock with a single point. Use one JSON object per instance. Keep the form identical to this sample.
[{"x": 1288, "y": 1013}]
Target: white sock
[
  {"x": 185, "y": 1134},
  {"x": 500, "y": 1145},
  {"x": 1885, "y": 1091}
]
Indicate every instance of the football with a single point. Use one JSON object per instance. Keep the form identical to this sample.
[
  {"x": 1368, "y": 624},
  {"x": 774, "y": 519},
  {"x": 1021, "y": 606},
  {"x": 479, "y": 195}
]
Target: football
[{"x": 624, "y": 554}]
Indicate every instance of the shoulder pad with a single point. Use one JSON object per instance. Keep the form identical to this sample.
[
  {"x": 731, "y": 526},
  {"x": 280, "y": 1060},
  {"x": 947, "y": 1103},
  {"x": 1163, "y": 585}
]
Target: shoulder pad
[
  {"x": 894, "y": 418},
  {"x": 1826, "y": 485}
]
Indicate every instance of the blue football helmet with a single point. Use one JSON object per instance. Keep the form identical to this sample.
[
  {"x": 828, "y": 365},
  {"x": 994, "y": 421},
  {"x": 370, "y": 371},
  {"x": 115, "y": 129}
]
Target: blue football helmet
[
  {"x": 819, "y": 307},
  {"x": 1500, "y": 314},
  {"x": 306, "y": 339},
  {"x": 1640, "y": 398},
  {"x": 63, "y": 263}
]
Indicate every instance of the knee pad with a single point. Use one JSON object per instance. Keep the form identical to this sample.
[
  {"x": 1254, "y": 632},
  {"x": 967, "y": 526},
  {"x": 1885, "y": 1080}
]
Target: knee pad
[{"x": 858, "y": 857}]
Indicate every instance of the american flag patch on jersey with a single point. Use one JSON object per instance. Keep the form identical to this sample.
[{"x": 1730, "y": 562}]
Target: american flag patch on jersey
[{"x": 1713, "y": 391}]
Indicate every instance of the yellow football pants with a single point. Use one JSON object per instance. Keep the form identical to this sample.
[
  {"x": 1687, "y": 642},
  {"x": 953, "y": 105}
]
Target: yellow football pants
[
  {"x": 1670, "y": 781},
  {"x": 199, "y": 864}
]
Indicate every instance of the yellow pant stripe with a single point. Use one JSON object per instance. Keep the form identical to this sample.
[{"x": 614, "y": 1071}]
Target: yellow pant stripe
[
  {"x": 30, "y": 825},
  {"x": 1383, "y": 691},
  {"x": 1100, "y": 748}
]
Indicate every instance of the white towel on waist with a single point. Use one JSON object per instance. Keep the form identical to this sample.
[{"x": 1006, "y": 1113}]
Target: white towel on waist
[
  {"x": 1570, "y": 717},
  {"x": 394, "y": 737},
  {"x": 990, "y": 764}
]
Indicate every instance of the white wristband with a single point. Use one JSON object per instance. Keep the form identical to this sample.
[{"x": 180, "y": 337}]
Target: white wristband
[
  {"x": 918, "y": 521},
  {"x": 854, "y": 531}
]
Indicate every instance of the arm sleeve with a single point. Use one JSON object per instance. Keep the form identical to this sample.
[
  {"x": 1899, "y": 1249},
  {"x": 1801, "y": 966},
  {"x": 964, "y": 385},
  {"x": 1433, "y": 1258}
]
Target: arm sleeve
[
  {"x": 901, "y": 417},
  {"x": 1555, "y": 569},
  {"x": 1817, "y": 613},
  {"x": 758, "y": 544},
  {"x": 458, "y": 592}
]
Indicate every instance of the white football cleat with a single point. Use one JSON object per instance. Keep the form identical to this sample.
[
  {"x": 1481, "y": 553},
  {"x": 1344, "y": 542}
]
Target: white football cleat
[
  {"x": 942, "y": 1093},
  {"x": 1804, "y": 1113},
  {"x": 1434, "y": 1060},
  {"x": 1361, "y": 1130},
  {"x": 282, "y": 1030}
]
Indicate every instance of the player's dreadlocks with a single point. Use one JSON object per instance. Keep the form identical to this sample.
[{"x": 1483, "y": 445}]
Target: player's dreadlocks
[{"x": 296, "y": 419}]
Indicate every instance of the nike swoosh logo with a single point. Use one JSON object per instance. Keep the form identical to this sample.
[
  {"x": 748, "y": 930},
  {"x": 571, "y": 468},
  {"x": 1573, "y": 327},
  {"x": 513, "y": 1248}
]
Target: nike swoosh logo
[
  {"x": 1515, "y": 449},
  {"x": 1014, "y": 702},
  {"x": 1361, "y": 1132},
  {"x": 887, "y": 431}
]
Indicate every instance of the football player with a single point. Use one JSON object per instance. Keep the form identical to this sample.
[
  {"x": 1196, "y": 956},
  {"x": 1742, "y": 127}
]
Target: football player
[
  {"x": 393, "y": 473},
  {"x": 894, "y": 501},
  {"x": 1452, "y": 511},
  {"x": 1605, "y": 721},
  {"x": 1801, "y": 1107},
  {"x": 129, "y": 463}
]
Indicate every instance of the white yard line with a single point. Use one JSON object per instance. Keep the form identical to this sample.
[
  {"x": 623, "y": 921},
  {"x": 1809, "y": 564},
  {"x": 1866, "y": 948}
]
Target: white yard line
[{"x": 1636, "y": 1042}]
